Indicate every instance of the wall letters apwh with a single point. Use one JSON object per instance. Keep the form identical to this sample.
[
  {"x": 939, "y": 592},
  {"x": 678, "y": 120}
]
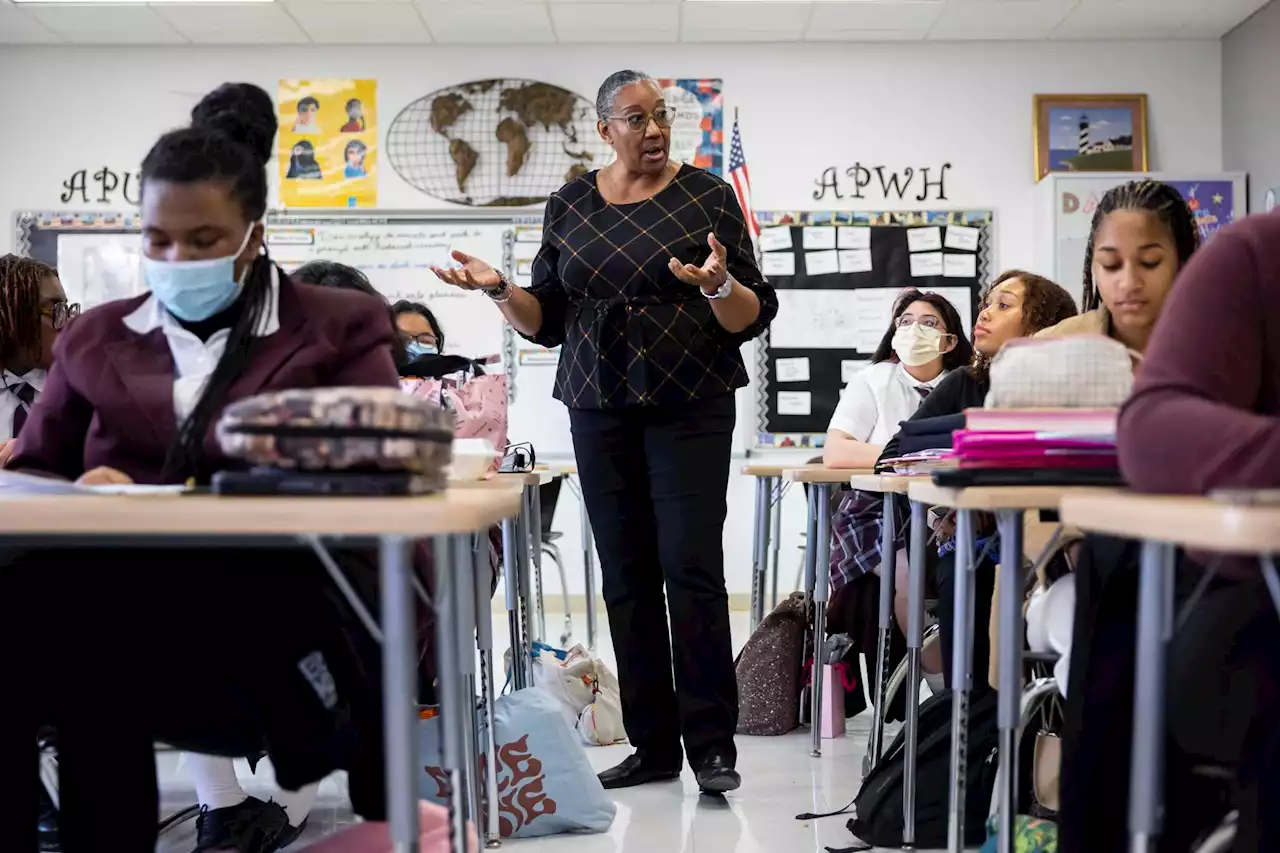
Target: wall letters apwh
[
  {"x": 883, "y": 183},
  {"x": 105, "y": 185}
]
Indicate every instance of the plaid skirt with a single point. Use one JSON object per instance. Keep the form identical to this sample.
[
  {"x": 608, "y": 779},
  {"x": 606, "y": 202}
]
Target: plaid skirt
[{"x": 856, "y": 527}]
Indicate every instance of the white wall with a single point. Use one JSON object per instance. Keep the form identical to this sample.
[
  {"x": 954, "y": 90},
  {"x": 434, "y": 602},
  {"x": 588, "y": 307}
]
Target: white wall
[
  {"x": 803, "y": 107},
  {"x": 1250, "y": 104}
]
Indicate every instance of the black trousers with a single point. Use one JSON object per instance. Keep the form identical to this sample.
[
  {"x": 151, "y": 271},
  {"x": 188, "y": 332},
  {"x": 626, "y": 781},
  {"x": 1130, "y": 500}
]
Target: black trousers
[{"x": 654, "y": 480}]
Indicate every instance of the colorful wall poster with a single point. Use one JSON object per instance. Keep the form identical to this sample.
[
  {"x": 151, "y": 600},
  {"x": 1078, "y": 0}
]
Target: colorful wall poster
[
  {"x": 697, "y": 137},
  {"x": 1212, "y": 202},
  {"x": 328, "y": 143}
]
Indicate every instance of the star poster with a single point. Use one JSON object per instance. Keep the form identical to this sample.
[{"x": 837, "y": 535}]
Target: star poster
[{"x": 1212, "y": 202}]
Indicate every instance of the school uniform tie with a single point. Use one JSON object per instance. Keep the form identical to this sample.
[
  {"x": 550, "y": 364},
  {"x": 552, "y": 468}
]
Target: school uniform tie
[
  {"x": 27, "y": 394},
  {"x": 924, "y": 391}
]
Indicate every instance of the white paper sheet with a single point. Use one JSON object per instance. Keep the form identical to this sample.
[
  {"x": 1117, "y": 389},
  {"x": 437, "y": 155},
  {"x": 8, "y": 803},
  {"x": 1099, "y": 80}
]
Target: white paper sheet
[
  {"x": 927, "y": 239},
  {"x": 962, "y": 298},
  {"x": 960, "y": 266},
  {"x": 926, "y": 263},
  {"x": 775, "y": 239},
  {"x": 819, "y": 237},
  {"x": 792, "y": 369},
  {"x": 855, "y": 260},
  {"x": 814, "y": 319},
  {"x": 778, "y": 263},
  {"x": 962, "y": 237},
  {"x": 872, "y": 311},
  {"x": 850, "y": 368},
  {"x": 853, "y": 237},
  {"x": 795, "y": 403},
  {"x": 16, "y": 483},
  {"x": 822, "y": 263}
]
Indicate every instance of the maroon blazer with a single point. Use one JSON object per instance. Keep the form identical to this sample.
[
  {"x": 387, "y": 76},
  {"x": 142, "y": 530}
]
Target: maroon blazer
[{"x": 108, "y": 400}]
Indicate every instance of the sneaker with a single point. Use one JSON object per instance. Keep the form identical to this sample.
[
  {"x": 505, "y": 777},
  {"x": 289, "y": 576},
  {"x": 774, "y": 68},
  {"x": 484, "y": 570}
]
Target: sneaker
[{"x": 249, "y": 827}]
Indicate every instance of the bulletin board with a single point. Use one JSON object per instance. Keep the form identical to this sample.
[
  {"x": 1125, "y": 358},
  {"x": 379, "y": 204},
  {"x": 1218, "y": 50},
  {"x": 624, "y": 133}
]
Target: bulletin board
[{"x": 837, "y": 275}]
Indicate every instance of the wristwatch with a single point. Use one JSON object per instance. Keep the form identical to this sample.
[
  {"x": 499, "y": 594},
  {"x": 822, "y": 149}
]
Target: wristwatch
[
  {"x": 722, "y": 291},
  {"x": 502, "y": 292}
]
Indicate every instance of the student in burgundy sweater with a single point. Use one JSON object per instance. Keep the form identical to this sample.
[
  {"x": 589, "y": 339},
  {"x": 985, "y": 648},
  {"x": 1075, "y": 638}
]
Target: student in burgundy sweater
[{"x": 1204, "y": 415}]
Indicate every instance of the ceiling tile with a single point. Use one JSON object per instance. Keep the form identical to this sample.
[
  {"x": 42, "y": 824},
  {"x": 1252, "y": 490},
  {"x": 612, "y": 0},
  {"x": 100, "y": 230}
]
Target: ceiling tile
[
  {"x": 594, "y": 23},
  {"x": 877, "y": 15},
  {"x": 360, "y": 22},
  {"x": 1220, "y": 17},
  {"x": 231, "y": 23},
  {"x": 744, "y": 21},
  {"x": 1000, "y": 19},
  {"x": 1127, "y": 19},
  {"x": 106, "y": 24},
  {"x": 17, "y": 27},
  {"x": 815, "y": 34},
  {"x": 487, "y": 23}
]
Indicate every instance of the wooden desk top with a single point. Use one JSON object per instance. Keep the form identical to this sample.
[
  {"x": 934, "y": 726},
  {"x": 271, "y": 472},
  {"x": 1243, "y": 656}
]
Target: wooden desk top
[
  {"x": 536, "y": 477},
  {"x": 460, "y": 510},
  {"x": 993, "y": 498},
  {"x": 894, "y": 484},
  {"x": 822, "y": 475},
  {"x": 1191, "y": 522}
]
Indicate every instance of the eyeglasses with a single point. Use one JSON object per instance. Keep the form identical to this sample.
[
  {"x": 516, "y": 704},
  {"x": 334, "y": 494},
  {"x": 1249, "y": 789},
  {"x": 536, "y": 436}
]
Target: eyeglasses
[
  {"x": 637, "y": 122},
  {"x": 928, "y": 321},
  {"x": 427, "y": 338},
  {"x": 60, "y": 314}
]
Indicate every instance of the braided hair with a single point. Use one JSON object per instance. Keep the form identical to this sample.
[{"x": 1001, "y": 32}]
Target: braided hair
[
  {"x": 229, "y": 141},
  {"x": 1154, "y": 197},
  {"x": 20, "y": 280}
]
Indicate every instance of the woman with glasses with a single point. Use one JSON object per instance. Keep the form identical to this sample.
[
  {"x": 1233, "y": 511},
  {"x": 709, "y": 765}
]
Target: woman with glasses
[
  {"x": 923, "y": 343},
  {"x": 33, "y": 310},
  {"x": 647, "y": 281}
]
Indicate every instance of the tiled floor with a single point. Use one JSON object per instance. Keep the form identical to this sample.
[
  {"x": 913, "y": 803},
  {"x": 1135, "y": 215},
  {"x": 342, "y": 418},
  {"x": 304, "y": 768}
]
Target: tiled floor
[{"x": 780, "y": 780}]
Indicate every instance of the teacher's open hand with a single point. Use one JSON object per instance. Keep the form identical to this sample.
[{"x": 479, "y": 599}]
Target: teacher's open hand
[
  {"x": 711, "y": 274},
  {"x": 474, "y": 274}
]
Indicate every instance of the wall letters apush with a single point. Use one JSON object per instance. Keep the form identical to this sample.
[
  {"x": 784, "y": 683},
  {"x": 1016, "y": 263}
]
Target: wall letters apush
[
  {"x": 106, "y": 186},
  {"x": 891, "y": 185}
]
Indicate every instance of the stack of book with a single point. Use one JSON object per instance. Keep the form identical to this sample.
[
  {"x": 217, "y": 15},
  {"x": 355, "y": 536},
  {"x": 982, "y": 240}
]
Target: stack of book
[
  {"x": 923, "y": 462},
  {"x": 1037, "y": 438}
]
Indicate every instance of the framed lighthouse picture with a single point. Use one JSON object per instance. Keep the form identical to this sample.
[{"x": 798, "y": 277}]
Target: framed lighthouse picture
[{"x": 1090, "y": 133}]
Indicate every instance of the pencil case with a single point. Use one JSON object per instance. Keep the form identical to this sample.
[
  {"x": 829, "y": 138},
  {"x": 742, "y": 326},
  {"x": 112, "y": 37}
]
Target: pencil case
[{"x": 340, "y": 429}]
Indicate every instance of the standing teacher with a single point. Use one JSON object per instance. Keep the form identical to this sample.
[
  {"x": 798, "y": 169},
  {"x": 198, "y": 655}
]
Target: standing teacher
[{"x": 647, "y": 281}]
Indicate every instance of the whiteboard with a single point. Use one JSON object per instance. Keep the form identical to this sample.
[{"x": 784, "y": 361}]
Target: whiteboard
[
  {"x": 98, "y": 267},
  {"x": 396, "y": 253}
]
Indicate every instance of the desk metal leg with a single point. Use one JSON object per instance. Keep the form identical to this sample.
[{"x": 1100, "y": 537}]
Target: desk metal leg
[
  {"x": 511, "y": 586},
  {"x": 887, "y": 558},
  {"x": 1009, "y": 657},
  {"x": 534, "y": 498},
  {"x": 400, "y": 689},
  {"x": 961, "y": 673},
  {"x": 915, "y": 645},
  {"x": 775, "y": 492},
  {"x": 589, "y": 568},
  {"x": 759, "y": 548},
  {"x": 822, "y": 590},
  {"x": 451, "y": 569},
  {"x": 1155, "y": 620},
  {"x": 465, "y": 589},
  {"x": 484, "y": 642},
  {"x": 524, "y": 587},
  {"x": 810, "y": 562}
]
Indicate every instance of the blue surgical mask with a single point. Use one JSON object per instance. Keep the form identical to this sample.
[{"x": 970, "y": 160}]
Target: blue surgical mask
[
  {"x": 416, "y": 349},
  {"x": 195, "y": 290}
]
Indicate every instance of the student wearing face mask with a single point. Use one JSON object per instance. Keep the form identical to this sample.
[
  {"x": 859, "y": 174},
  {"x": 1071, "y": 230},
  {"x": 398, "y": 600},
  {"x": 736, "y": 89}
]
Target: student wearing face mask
[
  {"x": 923, "y": 343},
  {"x": 419, "y": 329},
  {"x": 134, "y": 392}
]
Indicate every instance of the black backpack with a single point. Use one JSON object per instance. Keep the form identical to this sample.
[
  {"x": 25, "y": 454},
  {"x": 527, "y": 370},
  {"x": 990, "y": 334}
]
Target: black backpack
[{"x": 878, "y": 807}]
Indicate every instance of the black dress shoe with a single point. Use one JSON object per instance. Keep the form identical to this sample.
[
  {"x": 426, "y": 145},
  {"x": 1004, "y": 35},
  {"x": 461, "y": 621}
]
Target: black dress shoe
[
  {"x": 717, "y": 776},
  {"x": 639, "y": 770},
  {"x": 249, "y": 827}
]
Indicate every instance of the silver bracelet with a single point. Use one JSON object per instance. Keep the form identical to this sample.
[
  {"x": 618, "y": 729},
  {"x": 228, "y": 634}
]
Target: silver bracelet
[
  {"x": 501, "y": 293},
  {"x": 721, "y": 292}
]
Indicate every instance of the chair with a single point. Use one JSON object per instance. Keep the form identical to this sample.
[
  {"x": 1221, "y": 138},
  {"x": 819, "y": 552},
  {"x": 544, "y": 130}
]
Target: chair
[{"x": 548, "y": 497}]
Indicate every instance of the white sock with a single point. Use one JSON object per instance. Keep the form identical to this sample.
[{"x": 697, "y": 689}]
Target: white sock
[
  {"x": 297, "y": 804},
  {"x": 936, "y": 682},
  {"x": 216, "y": 783}
]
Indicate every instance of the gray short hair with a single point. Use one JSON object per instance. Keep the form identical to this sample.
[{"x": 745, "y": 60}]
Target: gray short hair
[{"x": 612, "y": 85}]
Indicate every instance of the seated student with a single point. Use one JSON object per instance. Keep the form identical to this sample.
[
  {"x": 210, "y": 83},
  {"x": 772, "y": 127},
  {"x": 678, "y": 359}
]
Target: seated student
[
  {"x": 921, "y": 346},
  {"x": 33, "y": 310},
  {"x": 1017, "y": 305},
  {"x": 133, "y": 394},
  {"x": 343, "y": 277},
  {"x": 419, "y": 329},
  {"x": 1201, "y": 418}
]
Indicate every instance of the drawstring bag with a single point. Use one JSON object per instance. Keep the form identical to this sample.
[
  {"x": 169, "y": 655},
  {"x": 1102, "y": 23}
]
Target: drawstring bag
[
  {"x": 586, "y": 690},
  {"x": 1075, "y": 372},
  {"x": 478, "y": 401},
  {"x": 769, "y": 671}
]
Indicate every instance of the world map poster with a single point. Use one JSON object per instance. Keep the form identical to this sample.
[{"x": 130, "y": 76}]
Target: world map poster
[{"x": 328, "y": 146}]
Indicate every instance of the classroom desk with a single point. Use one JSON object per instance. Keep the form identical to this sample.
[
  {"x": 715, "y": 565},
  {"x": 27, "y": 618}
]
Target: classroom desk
[
  {"x": 1009, "y": 504},
  {"x": 522, "y": 557},
  {"x": 766, "y": 529},
  {"x": 1163, "y": 524},
  {"x": 569, "y": 471},
  {"x": 817, "y": 580},
  {"x": 450, "y": 518}
]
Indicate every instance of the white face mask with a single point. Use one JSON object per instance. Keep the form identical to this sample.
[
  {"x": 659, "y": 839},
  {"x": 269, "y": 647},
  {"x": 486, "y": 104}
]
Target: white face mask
[{"x": 916, "y": 344}]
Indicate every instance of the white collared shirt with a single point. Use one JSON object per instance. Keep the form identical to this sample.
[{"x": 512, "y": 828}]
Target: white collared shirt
[
  {"x": 194, "y": 359},
  {"x": 9, "y": 402},
  {"x": 877, "y": 400}
]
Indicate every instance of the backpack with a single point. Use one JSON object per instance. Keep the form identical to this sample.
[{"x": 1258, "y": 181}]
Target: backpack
[
  {"x": 478, "y": 402},
  {"x": 878, "y": 807},
  {"x": 769, "y": 670}
]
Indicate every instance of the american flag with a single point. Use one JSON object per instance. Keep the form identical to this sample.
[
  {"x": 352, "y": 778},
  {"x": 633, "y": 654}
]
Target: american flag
[{"x": 742, "y": 180}]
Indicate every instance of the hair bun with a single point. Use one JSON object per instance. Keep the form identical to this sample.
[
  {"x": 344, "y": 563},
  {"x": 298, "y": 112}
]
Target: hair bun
[{"x": 244, "y": 112}]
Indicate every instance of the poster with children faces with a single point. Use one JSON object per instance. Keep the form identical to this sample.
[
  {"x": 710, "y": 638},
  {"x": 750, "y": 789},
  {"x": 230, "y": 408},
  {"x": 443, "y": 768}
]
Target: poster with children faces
[{"x": 328, "y": 144}]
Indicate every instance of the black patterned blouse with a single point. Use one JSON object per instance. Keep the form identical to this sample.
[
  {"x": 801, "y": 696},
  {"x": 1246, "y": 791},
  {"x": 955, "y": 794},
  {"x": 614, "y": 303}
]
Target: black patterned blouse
[{"x": 630, "y": 332}]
